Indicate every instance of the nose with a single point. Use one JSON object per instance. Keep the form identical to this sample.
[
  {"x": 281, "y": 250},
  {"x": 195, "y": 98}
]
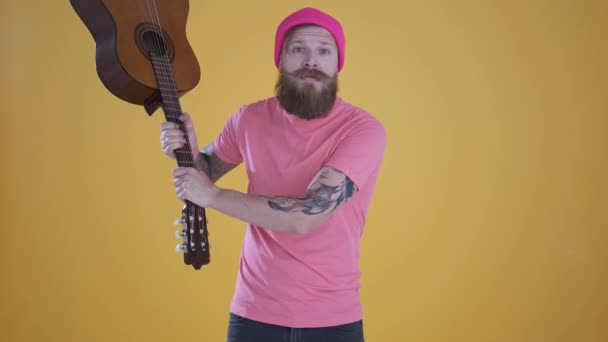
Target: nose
[{"x": 310, "y": 61}]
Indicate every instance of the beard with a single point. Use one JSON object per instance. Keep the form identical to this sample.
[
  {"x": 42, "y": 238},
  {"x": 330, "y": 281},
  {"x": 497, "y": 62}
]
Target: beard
[{"x": 305, "y": 100}]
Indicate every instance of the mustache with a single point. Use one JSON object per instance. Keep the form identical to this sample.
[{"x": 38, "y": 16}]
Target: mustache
[{"x": 313, "y": 73}]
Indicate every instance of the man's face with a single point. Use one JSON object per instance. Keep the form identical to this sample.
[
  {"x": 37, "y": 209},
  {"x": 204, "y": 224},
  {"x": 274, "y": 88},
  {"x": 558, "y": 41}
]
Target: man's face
[
  {"x": 310, "y": 48},
  {"x": 307, "y": 84}
]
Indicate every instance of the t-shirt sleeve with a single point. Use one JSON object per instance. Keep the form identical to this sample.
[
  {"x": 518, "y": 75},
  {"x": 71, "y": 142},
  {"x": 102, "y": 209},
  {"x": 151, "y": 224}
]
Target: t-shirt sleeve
[
  {"x": 360, "y": 152},
  {"x": 226, "y": 145}
]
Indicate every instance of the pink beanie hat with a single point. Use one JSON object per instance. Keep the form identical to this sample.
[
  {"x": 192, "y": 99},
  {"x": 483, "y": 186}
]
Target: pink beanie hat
[{"x": 312, "y": 16}]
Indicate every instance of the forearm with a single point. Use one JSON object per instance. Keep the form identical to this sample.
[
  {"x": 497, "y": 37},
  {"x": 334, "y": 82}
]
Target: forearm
[
  {"x": 202, "y": 164},
  {"x": 273, "y": 213},
  {"x": 329, "y": 190}
]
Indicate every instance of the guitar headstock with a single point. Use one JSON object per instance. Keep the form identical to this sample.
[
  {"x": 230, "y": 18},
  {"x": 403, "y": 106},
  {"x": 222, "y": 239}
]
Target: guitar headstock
[{"x": 195, "y": 245}]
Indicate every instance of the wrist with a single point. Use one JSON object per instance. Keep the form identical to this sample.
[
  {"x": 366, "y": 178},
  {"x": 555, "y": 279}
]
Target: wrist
[{"x": 215, "y": 195}]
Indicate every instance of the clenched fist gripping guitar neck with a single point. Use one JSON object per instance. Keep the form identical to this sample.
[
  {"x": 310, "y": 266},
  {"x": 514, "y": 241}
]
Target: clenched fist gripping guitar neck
[{"x": 143, "y": 57}]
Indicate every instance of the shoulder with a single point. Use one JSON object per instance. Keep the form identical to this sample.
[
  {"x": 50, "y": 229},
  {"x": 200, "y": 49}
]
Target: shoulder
[
  {"x": 259, "y": 110},
  {"x": 360, "y": 120},
  {"x": 259, "y": 106}
]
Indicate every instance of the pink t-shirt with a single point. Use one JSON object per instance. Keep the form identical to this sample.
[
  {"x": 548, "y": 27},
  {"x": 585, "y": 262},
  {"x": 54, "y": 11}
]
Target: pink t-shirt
[{"x": 302, "y": 280}]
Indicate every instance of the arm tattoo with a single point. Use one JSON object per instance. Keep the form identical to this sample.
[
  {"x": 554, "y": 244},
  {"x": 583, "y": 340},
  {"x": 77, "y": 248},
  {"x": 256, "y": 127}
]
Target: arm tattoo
[
  {"x": 202, "y": 163},
  {"x": 212, "y": 165},
  {"x": 321, "y": 197},
  {"x": 218, "y": 167}
]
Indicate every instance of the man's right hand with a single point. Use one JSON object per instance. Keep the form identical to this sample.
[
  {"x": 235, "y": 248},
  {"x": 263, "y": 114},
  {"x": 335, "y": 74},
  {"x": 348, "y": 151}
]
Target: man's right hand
[{"x": 171, "y": 137}]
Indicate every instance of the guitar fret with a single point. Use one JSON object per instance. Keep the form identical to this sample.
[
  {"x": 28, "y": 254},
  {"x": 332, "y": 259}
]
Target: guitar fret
[{"x": 166, "y": 78}]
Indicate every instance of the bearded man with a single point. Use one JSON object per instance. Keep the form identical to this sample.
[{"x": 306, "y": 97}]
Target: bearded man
[{"x": 312, "y": 161}]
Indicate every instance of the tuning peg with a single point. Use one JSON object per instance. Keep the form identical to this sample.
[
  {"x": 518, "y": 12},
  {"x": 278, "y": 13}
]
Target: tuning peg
[
  {"x": 181, "y": 248},
  {"x": 179, "y": 221},
  {"x": 179, "y": 234}
]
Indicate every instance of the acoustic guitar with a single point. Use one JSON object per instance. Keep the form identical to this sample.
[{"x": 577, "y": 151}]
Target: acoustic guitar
[{"x": 143, "y": 57}]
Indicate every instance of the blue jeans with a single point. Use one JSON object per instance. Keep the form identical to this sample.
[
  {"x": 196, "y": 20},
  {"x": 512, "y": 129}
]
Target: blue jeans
[{"x": 241, "y": 329}]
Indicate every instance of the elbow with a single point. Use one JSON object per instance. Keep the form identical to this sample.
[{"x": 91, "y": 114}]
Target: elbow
[
  {"x": 301, "y": 229},
  {"x": 308, "y": 225}
]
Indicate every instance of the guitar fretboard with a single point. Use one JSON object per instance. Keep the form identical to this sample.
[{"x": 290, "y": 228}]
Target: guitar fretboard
[{"x": 171, "y": 105}]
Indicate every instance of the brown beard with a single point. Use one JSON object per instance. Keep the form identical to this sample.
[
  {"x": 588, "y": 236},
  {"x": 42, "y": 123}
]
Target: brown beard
[{"x": 305, "y": 101}]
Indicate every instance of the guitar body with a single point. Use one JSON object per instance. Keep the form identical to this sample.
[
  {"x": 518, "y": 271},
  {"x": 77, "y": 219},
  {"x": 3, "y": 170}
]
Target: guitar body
[
  {"x": 122, "y": 30},
  {"x": 143, "y": 57}
]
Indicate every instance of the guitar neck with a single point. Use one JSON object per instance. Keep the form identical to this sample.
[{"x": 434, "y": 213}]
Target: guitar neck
[
  {"x": 171, "y": 105},
  {"x": 196, "y": 243}
]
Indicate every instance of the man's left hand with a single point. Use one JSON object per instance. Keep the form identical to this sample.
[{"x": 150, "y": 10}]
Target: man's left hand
[{"x": 194, "y": 186}]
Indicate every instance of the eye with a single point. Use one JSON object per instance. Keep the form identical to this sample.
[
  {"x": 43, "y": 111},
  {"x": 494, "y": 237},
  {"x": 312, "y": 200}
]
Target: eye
[
  {"x": 297, "y": 49},
  {"x": 325, "y": 51}
]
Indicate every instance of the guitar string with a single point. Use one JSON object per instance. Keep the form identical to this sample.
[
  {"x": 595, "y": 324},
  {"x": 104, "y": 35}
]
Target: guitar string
[
  {"x": 156, "y": 27},
  {"x": 198, "y": 211},
  {"x": 147, "y": 18},
  {"x": 155, "y": 17},
  {"x": 167, "y": 66}
]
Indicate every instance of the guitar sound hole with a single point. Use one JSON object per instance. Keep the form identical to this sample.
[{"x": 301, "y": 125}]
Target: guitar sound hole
[
  {"x": 154, "y": 42},
  {"x": 152, "y": 39}
]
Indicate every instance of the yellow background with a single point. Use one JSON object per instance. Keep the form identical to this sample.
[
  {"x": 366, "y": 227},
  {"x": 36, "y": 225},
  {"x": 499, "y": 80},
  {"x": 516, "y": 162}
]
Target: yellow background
[{"x": 489, "y": 221}]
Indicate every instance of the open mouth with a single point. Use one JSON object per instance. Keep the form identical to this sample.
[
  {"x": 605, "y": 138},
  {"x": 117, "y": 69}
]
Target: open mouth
[{"x": 309, "y": 78}]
